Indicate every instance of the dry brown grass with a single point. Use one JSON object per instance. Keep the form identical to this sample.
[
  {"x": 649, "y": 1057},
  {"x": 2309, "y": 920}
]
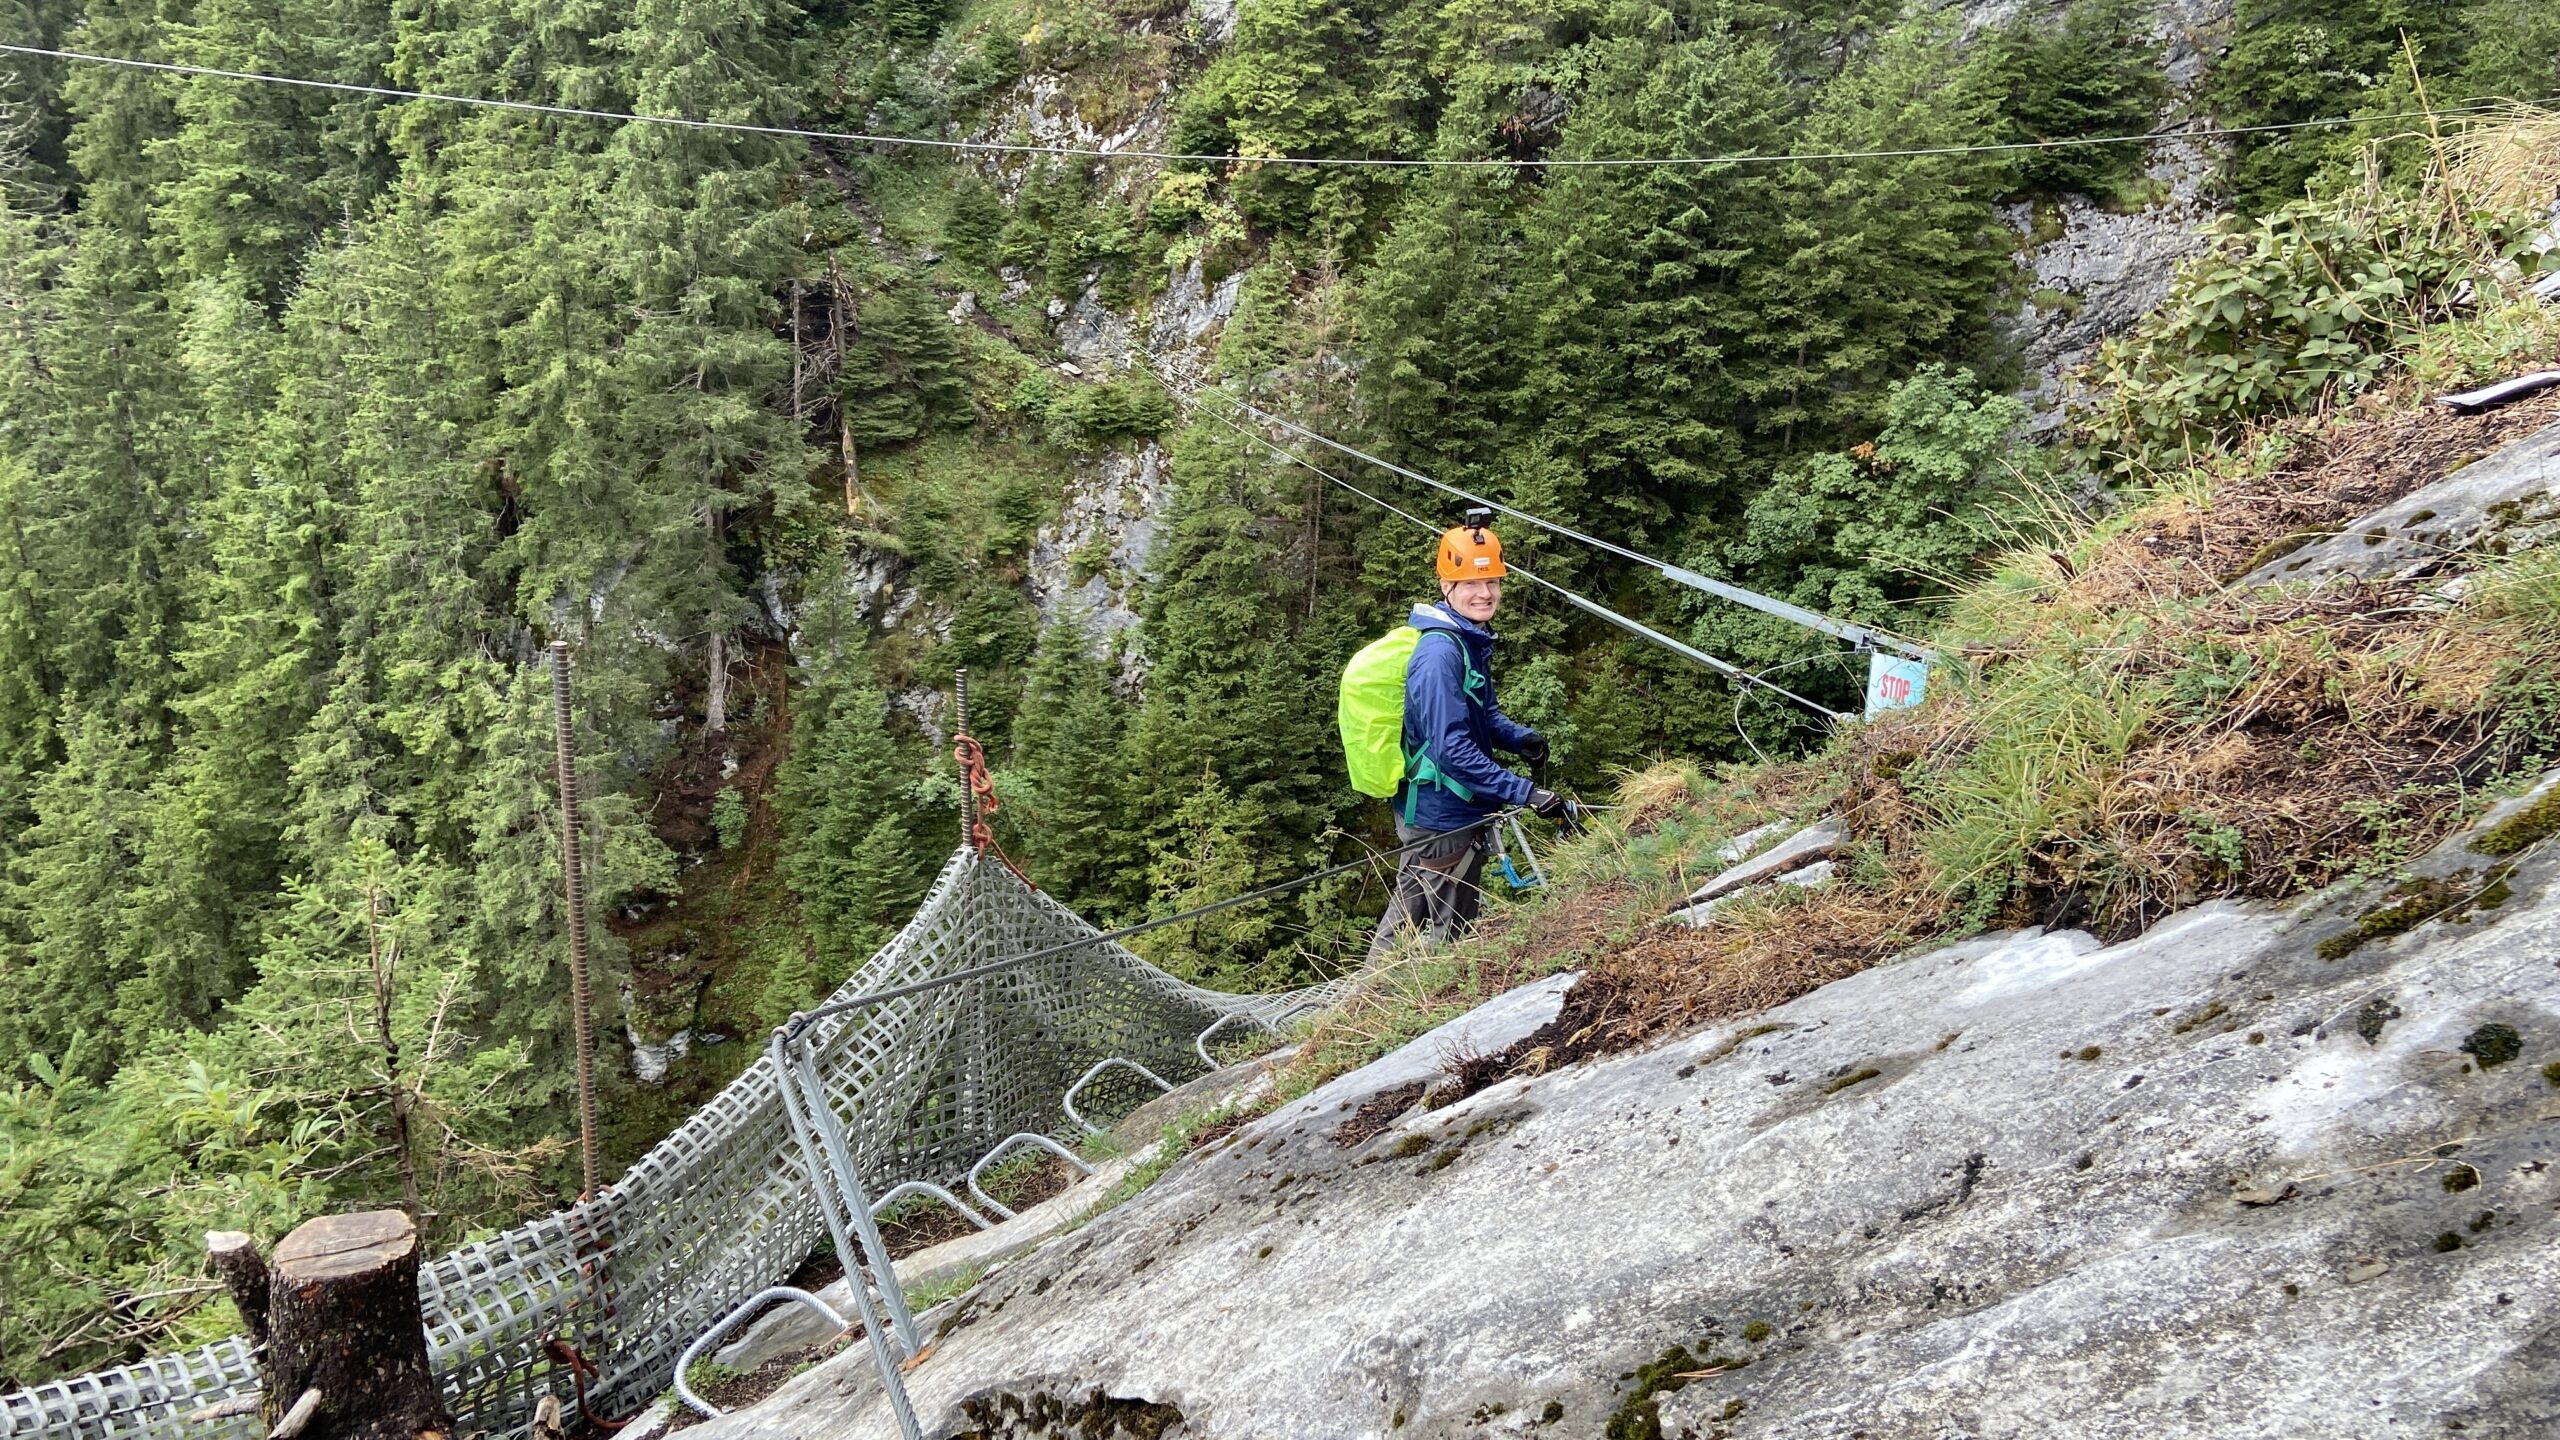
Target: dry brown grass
[
  {"x": 2336, "y": 469},
  {"x": 2512, "y": 162}
]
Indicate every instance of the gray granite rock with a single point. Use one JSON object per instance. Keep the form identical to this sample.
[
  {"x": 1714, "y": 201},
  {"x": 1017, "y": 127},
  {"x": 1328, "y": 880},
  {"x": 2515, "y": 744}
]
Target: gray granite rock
[
  {"x": 1810, "y": 877},
  {"x": 651, "y": 1062},
  {"x": 2203, "y": 1184},
  {"x": 1749, "y": 842},
  {"x": 1087, "y": 564},
  {"x": 2509, "y": 500},
  {"x": 2088, "y": 272}
]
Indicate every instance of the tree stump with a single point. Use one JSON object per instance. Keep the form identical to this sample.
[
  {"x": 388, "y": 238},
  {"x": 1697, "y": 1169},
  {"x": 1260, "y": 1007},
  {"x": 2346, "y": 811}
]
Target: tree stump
[
  {"x": 342, "y": 1320},
  {"x": 243, "y": 1272}
]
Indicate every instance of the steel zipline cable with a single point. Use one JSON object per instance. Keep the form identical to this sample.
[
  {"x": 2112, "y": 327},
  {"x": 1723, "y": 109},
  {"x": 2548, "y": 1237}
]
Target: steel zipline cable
[
  {"x": 996, "y": 147},
  {"x": 1860, "y": 635},
  {"x": 1726, "y": 668}
]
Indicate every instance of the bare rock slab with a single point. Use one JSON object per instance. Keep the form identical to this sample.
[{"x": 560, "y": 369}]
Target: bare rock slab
[
  {"x": 1811, "y": 877},
  {"x": 2206, "y": 1184},
  {"x": 2507, "y": 500}
]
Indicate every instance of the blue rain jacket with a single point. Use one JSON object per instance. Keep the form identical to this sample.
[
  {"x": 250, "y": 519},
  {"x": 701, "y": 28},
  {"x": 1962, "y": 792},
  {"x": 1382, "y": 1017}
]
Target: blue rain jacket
[{"x": 1452, "y": 726}]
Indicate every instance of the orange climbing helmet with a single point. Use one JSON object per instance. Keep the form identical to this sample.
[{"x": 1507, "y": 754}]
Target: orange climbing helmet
[{"x": 1472, "y": 552}]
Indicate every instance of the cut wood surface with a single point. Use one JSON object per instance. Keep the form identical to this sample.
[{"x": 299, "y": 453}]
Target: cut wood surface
[
  {"x": 243, "y": 1273},
  {"x": 335, "y": 1247}
]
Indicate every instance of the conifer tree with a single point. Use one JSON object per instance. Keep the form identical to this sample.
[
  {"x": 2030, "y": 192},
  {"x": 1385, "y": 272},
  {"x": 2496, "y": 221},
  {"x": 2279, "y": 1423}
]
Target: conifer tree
[
  {"x": 1443, "y": 328},
  {"x": 68, "y": 966},
  {"x": 1884, "y": 262},
  {"x": 1646, "y": 284},
  {"x": 901, "y": 370},
  {"x": 262, "y": 170},
  {"x": 852, "y": 860},
  {"x": 1063, "y": 788}
]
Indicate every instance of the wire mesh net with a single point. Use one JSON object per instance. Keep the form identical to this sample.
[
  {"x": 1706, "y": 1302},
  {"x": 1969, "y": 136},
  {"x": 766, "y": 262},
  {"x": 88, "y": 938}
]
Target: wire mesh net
[{"x": 724, "y": 1206}]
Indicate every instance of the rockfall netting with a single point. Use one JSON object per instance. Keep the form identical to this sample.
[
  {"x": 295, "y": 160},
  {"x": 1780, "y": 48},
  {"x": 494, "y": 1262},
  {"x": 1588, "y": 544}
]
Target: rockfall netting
[{"x": 720, "y": 1209}]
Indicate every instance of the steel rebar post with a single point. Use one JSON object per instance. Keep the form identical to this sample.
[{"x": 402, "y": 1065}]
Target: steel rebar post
[
  {"x": 571, "y": 864},
  {"x": 959, "y": 729}
]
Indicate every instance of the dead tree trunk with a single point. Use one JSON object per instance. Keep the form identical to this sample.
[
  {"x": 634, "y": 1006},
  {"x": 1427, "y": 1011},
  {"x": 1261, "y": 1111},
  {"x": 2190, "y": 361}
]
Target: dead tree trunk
[
  {"x": 840, "y": 321},
  {"x": 715, "y": 703},
  {"x": 345, "y": 1349}
]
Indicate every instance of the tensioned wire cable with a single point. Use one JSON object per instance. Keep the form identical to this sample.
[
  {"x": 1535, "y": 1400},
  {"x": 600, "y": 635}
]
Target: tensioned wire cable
[
  {"x": 1593, "y": 607},
  {"x": 996, "y": 147},
  {"x": 1856, "y": 634}
]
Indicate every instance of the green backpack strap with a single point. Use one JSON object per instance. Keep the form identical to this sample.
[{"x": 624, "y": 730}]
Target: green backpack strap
[{"x": 1418, "y": 768}]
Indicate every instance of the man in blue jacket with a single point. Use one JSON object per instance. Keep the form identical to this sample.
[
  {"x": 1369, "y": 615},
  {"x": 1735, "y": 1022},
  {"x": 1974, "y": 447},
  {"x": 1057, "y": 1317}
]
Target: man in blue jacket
[{"x": 1452, "y": 726}]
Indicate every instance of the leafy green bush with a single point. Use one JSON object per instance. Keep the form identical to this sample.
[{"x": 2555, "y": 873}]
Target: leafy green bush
[
  {"x": 2283, "y": 314},
  {"x": 1856, "y": 533}
]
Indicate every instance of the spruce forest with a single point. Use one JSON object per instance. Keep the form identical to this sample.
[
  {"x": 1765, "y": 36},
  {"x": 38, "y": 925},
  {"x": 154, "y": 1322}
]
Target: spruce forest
[{"x": 323, "y": 413}]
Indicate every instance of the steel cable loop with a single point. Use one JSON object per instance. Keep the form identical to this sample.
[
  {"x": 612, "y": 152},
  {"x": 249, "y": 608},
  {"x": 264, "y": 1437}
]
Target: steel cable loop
[
  {"x": 982, "y": 792},
  {"x": 1861, "y": 635}
]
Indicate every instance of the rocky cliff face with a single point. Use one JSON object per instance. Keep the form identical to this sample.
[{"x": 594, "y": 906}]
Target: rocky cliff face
[
  {"x": 2259, "y": 1172},
  {"x": 2086, "y": 272}
]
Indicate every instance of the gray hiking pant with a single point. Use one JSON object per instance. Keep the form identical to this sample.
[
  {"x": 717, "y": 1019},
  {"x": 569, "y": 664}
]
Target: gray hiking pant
[{"x": 1439, "y": 887}]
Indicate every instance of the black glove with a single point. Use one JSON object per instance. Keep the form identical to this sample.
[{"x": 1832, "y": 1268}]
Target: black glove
[
  {"x": 1534, "y": 749},
  {"x": 1549, "y": 804}
]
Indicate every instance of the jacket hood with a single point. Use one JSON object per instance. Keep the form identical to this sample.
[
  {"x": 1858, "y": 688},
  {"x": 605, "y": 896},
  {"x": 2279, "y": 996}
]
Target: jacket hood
[{"x": 1441, "y": 617}]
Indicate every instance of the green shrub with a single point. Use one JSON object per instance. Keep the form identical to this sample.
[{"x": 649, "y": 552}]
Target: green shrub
[
  {"x": 1086, "y": 416},
  {"x": 729, "y": 817},
  {"x": 2287, "y": 313}
]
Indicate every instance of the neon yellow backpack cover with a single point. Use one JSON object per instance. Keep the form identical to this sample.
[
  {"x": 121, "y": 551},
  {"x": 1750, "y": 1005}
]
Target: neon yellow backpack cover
[{"x": 1371, "y": 711}]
